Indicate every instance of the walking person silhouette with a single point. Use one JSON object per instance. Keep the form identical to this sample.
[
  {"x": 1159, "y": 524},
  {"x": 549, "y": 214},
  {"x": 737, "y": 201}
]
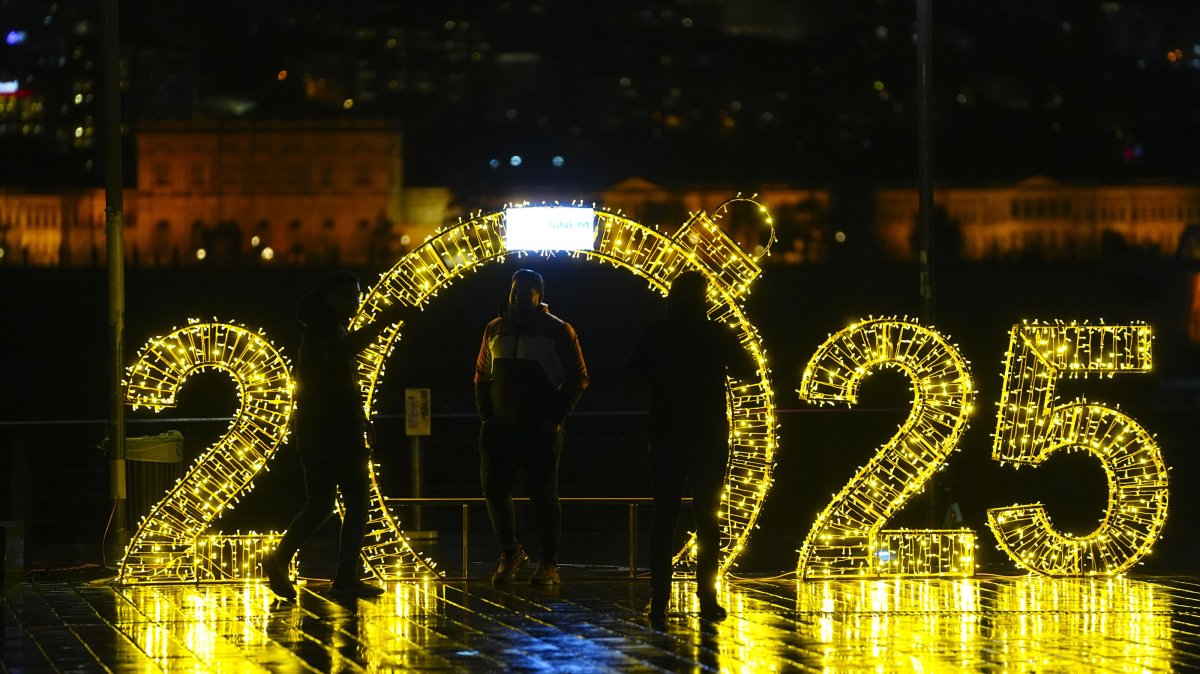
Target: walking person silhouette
[
  {"x": 684, "y": 361},
  {"x": 331, "y": 432}
]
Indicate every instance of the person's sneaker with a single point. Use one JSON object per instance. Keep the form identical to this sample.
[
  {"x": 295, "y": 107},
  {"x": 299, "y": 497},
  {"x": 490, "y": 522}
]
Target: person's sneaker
[
  {"x": 355, "y": 589},
  {"x": 711, "y": 611},
  {"x": 545, "y": 574},
  {"x": 277, "y": 577},
  {"x": 508, "y": 567},
  {"x": 656, "y": 612}
]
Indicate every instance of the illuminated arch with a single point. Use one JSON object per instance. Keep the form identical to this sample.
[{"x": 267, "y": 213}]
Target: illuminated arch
[{"x": 698, "y": 245}]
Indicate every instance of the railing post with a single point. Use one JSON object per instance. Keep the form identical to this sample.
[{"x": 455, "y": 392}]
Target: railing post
[
  {"x": 466, "y": 529},
  {"x": 633, "y": 540}
]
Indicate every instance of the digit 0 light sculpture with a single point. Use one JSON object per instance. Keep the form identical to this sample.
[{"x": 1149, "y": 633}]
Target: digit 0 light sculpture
[
  {"x": 1030, "y": 428},
  {"x": 605, "y": 237},
  {"x": 848, "y": 538},
  {"x": 171, "y": 544}
]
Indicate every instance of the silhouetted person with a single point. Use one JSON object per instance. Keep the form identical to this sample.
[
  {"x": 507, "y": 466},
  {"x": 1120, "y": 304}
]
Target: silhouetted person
[
  {"x": 684, "y": 361},
  {"x": 330, "y": 432},
  {"x": 528, "y": 377}
]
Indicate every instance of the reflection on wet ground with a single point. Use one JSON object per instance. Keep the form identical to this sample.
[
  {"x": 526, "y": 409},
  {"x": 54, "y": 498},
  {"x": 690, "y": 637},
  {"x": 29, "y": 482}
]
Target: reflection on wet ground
[{"x": 588, "y": 624}]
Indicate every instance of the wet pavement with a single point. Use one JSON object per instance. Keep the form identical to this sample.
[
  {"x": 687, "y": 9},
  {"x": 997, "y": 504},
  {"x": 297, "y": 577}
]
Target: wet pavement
[{"x": 593, "y": 623}]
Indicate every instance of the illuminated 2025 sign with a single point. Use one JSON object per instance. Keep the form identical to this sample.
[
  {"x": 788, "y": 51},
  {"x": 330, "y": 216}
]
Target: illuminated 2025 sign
[{"x": 172, "y": 543}]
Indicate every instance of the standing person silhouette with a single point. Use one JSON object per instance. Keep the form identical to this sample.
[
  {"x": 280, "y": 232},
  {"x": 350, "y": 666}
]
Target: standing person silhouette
[
  {"x": 684, "y": 361},
  {"x": 529, "y": 376},
  {"x": 331, "y": 431}
]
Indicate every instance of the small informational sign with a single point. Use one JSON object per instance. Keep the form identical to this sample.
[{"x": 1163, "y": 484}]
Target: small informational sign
[
  {"x": 416, "y": 411},
  {"x": 550, "y": 228}
]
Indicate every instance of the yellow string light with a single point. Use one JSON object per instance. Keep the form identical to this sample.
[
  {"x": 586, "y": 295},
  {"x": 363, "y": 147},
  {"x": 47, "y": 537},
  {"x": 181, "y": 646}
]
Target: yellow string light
[
  {"x": 848, "y": 537},
  {"x": 1030, "y": 427},
  {"x": 698, "y": 245},
  {"x": 169, "y": 544}
]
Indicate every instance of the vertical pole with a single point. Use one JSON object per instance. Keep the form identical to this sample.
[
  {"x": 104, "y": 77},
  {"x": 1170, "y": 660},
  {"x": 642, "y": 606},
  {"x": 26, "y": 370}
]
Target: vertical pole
[
  {"x": 633, "y": 540},
  {"x": 114, "y": 210},
  {"x": 925, "y": 180},
  {"x": 925, "y": 155},
  {"x": 466, "y": 527},
  {"x": 416, "y": 481}
]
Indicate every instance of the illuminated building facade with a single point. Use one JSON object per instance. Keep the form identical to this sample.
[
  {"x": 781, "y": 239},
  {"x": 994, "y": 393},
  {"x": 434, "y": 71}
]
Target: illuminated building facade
[
  {"x": 291, "y": 193},
  {"x": 302, "y": 191},
  {"x": 52, "y": 229},
  {"x": 1043, "y": 217},
  {"x": 319, "y": 193},
  {"x": 801, "y": 215}
]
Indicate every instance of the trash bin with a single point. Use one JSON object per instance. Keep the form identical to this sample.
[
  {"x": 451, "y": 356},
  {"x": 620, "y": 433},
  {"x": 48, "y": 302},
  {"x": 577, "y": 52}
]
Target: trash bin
[{"x": 153, "y": 464}]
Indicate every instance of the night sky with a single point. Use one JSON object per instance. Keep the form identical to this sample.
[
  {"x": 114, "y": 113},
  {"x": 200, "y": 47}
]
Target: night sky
[{"x": 680, "y": 92}]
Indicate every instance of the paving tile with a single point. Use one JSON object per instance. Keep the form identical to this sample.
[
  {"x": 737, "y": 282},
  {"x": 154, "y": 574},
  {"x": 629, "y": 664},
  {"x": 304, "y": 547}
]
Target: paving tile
[{"x": 594, "y": 625}]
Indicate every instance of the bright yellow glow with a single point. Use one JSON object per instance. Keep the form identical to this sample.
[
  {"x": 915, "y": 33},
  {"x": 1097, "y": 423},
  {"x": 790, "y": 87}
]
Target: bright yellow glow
[
  {"x": 698, "y": 245},
  {"x": 847, "y": 538},
  {"x": 1027, "y": 623},
  {"x": 1030, "y": 427},
  {"x": 170, "y": 545}
]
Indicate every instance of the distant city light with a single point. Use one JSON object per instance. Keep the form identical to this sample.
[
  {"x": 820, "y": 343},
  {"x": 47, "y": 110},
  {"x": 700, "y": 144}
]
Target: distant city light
[
  {"x": 494, "y": 163},
  {"x": 515, "y": 160},
  {"x": 2, "y": 253},
  {"x": 201, "y": 253},
  {"x": 840, "y": 237},
  {"x": 79, "y": 132},
  {"x": 558, "y": 161},
  {"x": 879, "y": 86},
  {"x": 15, "y": 37},
  {"x": 549, "y": 228},
  {"x": 255, "y": 240},
  {"x": 9, "y": 86},
  {"x": 405, "y": 240},
  {"x": 282, "y": 75},
  {"x": 268, "y": 253},
  {"x": 348, "y": 103}
]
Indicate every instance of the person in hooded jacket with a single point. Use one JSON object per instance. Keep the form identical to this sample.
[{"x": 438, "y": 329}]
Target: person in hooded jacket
[
  {"x": 684, "y": 361},
  {"x": 529, "y": 376},
  {"x": 331, "y": 431}
]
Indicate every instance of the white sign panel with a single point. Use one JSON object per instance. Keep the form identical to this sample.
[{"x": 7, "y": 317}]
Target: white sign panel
[
  {"x": 417, "y": 415},
  {"x": 550, "y": 228}
]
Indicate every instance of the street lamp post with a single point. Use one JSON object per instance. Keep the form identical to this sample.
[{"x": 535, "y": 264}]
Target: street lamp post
[{"x": 114, "y": 233}]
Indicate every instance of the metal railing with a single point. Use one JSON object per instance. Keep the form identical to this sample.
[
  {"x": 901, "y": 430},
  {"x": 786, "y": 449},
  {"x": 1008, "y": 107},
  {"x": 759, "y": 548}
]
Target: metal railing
[{"x": 632, "y": 504}]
